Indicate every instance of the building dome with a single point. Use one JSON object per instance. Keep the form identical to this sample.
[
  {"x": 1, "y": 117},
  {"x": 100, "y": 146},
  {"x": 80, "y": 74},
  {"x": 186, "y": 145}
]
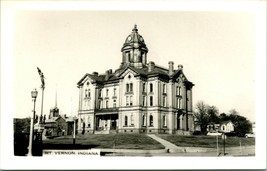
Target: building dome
[{"x": 134, "y": 40}]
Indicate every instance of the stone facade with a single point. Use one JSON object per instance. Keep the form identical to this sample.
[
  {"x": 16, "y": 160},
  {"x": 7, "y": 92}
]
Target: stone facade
[{"x": 138, "y": 97}]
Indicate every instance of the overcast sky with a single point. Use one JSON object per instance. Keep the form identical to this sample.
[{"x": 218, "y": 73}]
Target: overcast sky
[{"x": 217, "y": 50}]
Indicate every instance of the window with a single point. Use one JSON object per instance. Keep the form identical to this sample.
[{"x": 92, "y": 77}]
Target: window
[
  {"x": 106, "y": 92},
  {"x": 164, "y": 121},
  {"x": 178, "y": 91},
  {"x": 151, "y": 100},
  {"x": 144, "y": 120},
  {"x": 131, "y": 87},
  {"x": 114, "y": 92},
  {"x": 125, "y": 120},
  {"x": 127, "y": 88},
  {"x": 151, "y": 87},
  {"x": 100, "y": 104},
  {"x": 89, "y": 93},
  {"x": 100, "y": 92},
  {"x": 114, "y": 103},
  {"x": 150, "y": 120},
  {"x": 127, "y": 100},
  {"x": 132, "y": 119},
  {"x": 144, "y": 87},
  {"x": 107, "y": 104},
  {"x": 85, "y": 93},
  {"x": 164, "y": 88},
  {"x": 131, "y": 100},
  {"x": 164, "y": 101},
  {"x": 179, "y": 105},
  {"x": 144, "y": 100}
]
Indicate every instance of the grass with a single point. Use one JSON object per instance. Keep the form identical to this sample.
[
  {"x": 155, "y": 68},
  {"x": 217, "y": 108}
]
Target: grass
[
  {"x": 118, "y": 141},
  {"x": 206, "y": 141},
  {"x": 141, "y": 141}
]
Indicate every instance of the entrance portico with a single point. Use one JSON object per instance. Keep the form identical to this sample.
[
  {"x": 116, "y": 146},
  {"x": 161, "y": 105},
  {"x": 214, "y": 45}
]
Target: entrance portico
[{"x": 106, "y": 121}]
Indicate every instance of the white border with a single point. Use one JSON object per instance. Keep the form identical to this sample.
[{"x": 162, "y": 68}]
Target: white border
[{"x": 8, "y": 161}]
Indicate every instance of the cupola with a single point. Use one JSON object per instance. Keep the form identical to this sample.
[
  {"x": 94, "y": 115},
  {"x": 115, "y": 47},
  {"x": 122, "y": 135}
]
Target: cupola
[{"x": 134, "y": 50}]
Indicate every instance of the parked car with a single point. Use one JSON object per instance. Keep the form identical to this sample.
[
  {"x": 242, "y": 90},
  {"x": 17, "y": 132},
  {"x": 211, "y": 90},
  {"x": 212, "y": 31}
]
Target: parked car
[
  {"x": 250, "y": 135},
  {"x": 214, "y": 133}
]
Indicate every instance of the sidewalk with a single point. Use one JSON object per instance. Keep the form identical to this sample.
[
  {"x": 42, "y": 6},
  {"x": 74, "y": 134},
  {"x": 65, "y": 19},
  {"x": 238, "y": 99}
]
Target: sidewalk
[{"x": 171, "y": 147}]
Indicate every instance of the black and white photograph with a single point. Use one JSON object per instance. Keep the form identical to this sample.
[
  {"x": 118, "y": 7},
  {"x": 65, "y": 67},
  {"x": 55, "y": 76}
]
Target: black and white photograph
[{"x": 112, "y": 85}]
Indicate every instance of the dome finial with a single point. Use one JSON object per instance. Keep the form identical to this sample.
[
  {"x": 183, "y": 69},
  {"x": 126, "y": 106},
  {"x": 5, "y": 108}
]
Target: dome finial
[{"x": 135, "y": 28}]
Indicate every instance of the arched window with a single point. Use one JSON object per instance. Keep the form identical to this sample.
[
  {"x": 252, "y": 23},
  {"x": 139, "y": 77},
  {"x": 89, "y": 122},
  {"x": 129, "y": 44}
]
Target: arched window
[
  {"x": 125, "y": 120},
  {"x": 144, "y": 87},
  {"x": 144, "y": 120},
  {"x": 164, "y": 120},
  {"x": 131, "y": 87},
  {"x": 151, "y": 87},
  {"x": 106, "y": 92},
  {"x": 132, "y": 119},
  {"x": 151, "y": 100},
  {"x": 164, "y": 88},
  {"x": 150, "y": 120},
  {"x": 127, "y": 88},
  {"x": 85, "y": 93},
  {"x": 114, "y": 92}
]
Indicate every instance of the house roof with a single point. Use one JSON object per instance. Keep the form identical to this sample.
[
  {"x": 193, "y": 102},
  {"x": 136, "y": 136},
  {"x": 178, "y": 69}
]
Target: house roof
[
  {"x": 70, "y": 119},
  {"x": 226, "y": 122},
  {"x": 53, "y": 119}
]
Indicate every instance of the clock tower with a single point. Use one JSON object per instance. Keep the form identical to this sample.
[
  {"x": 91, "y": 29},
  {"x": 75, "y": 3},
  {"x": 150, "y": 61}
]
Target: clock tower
[{"x": 134, "y": 50}]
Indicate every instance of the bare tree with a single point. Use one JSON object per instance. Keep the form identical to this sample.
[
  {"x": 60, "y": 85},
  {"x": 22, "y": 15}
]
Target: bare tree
[{"x": 201, "y": 115}]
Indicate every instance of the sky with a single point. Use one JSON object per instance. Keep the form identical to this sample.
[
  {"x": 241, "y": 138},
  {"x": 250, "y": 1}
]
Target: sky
[{"x": 217, "y": 50}]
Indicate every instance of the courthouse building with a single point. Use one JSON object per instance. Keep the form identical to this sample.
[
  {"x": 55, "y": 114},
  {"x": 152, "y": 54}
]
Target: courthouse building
[{"x": 138, "y": 97}]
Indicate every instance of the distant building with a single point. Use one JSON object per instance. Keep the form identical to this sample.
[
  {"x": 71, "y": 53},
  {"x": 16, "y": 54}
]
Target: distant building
[
  {"x": 55, "y": 126},
  {"x": 139, "y": 96},
  {"x": 227, "y": 126}
]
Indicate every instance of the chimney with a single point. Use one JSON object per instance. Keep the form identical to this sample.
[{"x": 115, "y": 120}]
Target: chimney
[
  {"x": 180, "y": 67},
  {"x": 95, "y": 73},
  {"x": 110, "y": 71},
  {"x": 107, "y": 75},
  {"x": 170, "y": 67},
  {"x": 151, "y": 66}
]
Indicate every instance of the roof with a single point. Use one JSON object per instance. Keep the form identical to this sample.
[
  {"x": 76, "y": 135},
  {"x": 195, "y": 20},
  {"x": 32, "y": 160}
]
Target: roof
[
  {"x": 226, "y": 122},
  {"x": 134, "y": 40},
  {"x": 143, "y": 72},
  {"x": 70, "y": 119},
  {"x": 53, "y": 119}
]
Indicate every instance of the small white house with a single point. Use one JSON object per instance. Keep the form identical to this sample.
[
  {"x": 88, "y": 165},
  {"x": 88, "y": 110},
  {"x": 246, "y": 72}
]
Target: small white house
[{"x": 227, "y": 126}]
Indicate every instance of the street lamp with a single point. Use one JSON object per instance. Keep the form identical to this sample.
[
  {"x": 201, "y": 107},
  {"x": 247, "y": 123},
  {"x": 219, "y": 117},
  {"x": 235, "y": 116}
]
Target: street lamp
[{"x": 34, "y": 94}]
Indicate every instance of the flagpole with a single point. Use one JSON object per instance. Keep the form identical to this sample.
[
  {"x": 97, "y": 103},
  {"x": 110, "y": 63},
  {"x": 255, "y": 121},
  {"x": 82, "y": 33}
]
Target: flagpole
[{"x": 42, "y": 87}]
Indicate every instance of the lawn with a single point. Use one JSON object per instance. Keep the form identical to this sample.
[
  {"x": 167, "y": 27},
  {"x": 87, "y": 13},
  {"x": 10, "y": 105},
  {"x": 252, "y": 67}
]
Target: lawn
[
  {"x": 118, "y": 141},
  {"x": 206, "y": 141}
]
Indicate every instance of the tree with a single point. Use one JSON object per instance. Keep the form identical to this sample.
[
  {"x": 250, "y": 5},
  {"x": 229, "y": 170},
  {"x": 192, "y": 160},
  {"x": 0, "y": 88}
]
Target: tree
[
  {"x": 213, "y": 115},
  {"x": 241, "y": 124},
  {"x": 201, "y": 115}
]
